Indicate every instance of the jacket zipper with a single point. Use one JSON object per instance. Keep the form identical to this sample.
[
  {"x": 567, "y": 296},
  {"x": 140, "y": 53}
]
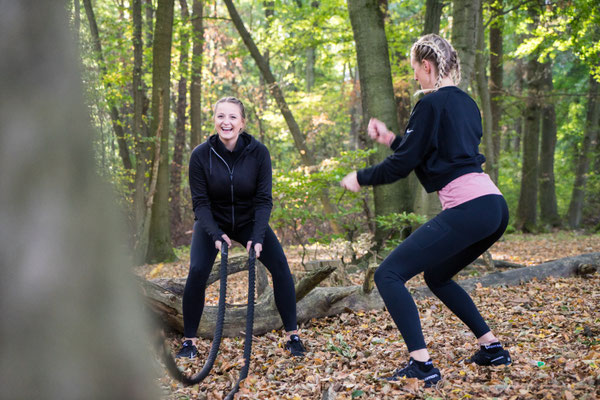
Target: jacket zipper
[{"x": 231, "y": 186}]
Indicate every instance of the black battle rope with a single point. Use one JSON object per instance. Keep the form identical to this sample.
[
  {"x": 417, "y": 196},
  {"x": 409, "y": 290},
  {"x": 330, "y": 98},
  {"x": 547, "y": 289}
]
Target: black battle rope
[
  {"x": 176, "y": 373},
  {"x": 249, "y": 324},
  {"x": 216, "y": 343}
]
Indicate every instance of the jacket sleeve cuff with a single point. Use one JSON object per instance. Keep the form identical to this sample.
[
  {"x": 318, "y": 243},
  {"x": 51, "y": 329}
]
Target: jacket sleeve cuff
[
  {"x": 218, "y": 236},
  {"x": 396, "y": 142},
  {"x": 360, "y": 177}
]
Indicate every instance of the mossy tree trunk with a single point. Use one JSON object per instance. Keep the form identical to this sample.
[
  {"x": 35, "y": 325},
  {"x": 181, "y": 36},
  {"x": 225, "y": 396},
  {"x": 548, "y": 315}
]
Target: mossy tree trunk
[{"x": 377, "y": 94}]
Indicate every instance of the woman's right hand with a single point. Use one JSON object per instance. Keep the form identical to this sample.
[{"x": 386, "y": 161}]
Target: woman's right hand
[
  {"x": 379, "y": 132},
  {"x": 218, "y": 243},
  {"x": 350, "y": 182}
]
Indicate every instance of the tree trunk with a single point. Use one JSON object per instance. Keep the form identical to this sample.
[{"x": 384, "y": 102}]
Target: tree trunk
[
  {"x": 164, "y": 296},
  {"x": 491, "y": 163},
  {"x": 311, "y": 57},
  {"x": 141, "y": 246},
  {"x": 433, "y": 14},
  {"x": 261, "y": 100},
  {"x": 196, "y": 84},
  {"x": 113, "y": 111},
  {"x": 377, "y": 93},
  {"x": 548, "y": 206},
  {"x": 160, "y": 248},
  {"x": 355, "y": 112},
  {"x": 583, "y": 160},
  {"x": 180, "y": 125},
  {"x": 528, "y": 196},
  {"x": 427, "y": 204},
  {"x": 307, "y": 156},
  {"x": 465, "y": 19},
  {"x": 496, "y": 84},
  {"x": 65, "y": 283},
  {"x": 139, "y": 131},
  {"x": 527, "y": 207},
  {"x": 149, "y": 12},
  {"x": 262, "y": 281},
  {"x": 269, "y": 10},
  {"x": 514, "y": 144}
]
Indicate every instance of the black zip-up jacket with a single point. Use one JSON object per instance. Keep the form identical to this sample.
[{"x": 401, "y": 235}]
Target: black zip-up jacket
[
  {"x": 441, "y": 142},
  {"x": 227, "y": 197}
]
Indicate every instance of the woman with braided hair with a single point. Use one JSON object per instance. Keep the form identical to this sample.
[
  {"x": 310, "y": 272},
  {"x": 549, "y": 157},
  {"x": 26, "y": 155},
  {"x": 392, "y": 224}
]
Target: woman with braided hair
[{"x": 440, "y": 144}]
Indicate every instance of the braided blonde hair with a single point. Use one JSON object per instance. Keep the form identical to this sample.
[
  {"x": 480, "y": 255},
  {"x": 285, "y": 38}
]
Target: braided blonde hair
[{"x": 441, "y": 54}]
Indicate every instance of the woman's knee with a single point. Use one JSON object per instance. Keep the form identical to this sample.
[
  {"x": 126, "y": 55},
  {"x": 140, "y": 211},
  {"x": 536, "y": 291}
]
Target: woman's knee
[
  {"x": 383, "y": 275},
  {"x": 280, "y": 273},
  {"x": 199, "y": 272},
  {"x": 432, "y": 281}
]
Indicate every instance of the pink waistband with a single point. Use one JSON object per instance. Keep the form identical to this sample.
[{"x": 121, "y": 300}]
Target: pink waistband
[{"x": 465, "y": 188}]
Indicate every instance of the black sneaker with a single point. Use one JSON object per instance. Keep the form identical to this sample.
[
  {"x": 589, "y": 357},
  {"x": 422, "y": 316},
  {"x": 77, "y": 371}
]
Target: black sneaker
[
  {"x": 491, "y": 354},
  {"x": 295, "y": 346},
  {"x": 188, "y": 350},
  {"x": 427, "y": 373}
]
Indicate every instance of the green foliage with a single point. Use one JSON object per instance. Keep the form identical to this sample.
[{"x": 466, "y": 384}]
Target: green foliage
[
  {"x": 397, "y": 224},
  {"x": 566, "y": 27},
  {"x": 509, "y": 179},
  {"x": 296, "y": 196}
]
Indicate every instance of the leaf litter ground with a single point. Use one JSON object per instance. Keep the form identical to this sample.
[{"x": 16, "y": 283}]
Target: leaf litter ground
[{"x": 551, "y": 328}]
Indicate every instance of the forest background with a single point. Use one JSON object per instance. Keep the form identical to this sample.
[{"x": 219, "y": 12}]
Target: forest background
[{"x": 311, "y": 74}]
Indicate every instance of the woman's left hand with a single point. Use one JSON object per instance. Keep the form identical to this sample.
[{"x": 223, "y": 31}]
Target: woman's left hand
[
  {"x": 350, "y": 182},
  {"x": 257, "y": 248}
]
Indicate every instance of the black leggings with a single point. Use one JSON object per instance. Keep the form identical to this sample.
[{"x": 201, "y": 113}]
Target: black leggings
[
  {"x": 202, "y": 257},
  {"x": 441, "y": 247}
]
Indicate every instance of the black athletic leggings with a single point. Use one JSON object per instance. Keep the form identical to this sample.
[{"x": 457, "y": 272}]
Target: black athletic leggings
[
  {"x": 441, "y": 248},
  {"x": 202, "y": 257}
]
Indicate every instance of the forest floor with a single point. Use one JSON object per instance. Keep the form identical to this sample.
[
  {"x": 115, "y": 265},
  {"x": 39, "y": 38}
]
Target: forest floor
[{"x": 550, "y": 327}]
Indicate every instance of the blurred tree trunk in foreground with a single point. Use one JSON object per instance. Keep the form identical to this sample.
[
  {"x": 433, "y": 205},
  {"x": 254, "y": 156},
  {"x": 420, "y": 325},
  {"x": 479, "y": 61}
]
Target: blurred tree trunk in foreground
[{"x": 70, "y": 325}]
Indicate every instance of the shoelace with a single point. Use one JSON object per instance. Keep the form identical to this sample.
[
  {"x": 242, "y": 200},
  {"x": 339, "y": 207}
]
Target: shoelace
[{"x": 402, "y": 372}]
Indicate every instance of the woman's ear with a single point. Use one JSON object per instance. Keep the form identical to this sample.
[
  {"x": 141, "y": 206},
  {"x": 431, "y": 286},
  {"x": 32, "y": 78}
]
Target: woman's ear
[{"x": 426, "y": 66}]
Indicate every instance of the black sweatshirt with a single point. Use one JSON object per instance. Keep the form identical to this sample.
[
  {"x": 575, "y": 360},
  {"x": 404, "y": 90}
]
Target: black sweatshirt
[
  {"x": 440, "y": 143},
  {"x": 227, "y": 195}
]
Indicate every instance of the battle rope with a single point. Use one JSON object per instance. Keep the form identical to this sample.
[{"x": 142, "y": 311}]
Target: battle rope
[
  {"x": 170, "y": 363},
  {"x": 249, "y": 324}
]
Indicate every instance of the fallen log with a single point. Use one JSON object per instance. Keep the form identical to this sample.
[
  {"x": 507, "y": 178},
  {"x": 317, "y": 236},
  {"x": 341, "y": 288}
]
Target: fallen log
[
  {"x": 497, "y": 263},
  {"x": 164, "y": 296}
]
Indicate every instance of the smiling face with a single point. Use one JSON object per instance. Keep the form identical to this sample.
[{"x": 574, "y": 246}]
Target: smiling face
[{"x": 229, "y": 123}]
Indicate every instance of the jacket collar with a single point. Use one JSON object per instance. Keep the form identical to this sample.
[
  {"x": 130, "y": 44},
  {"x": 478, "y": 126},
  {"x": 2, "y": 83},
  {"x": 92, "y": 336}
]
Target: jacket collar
[{"x": 245, "y": 140}]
